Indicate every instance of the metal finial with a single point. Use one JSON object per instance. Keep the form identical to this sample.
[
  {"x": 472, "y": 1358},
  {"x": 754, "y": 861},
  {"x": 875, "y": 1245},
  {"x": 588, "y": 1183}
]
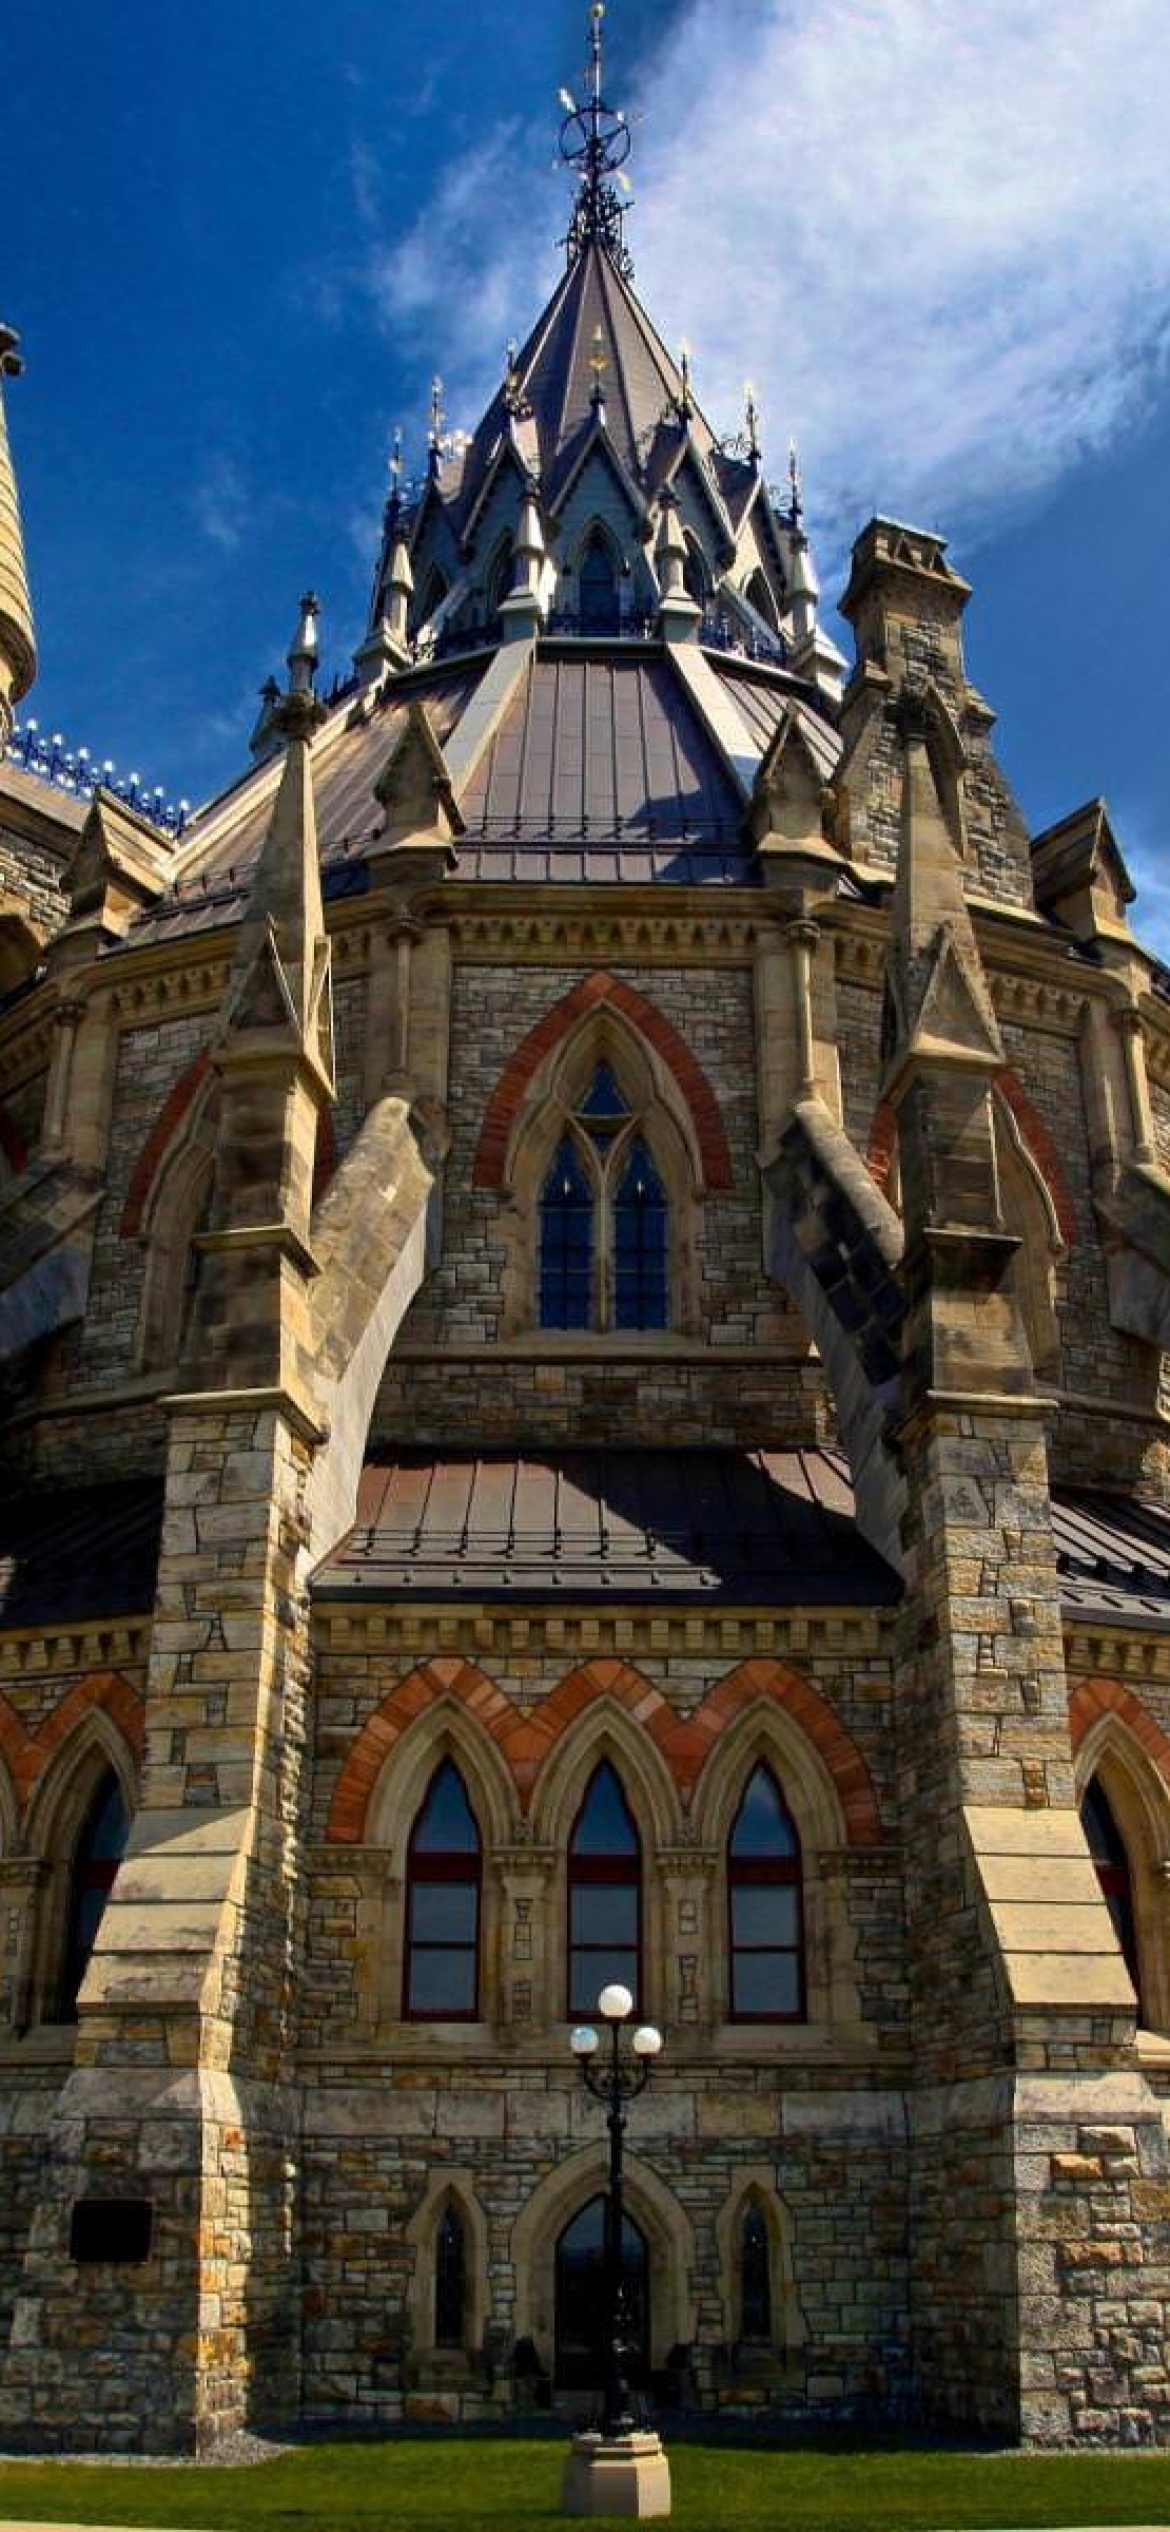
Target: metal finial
[
  {"x": 302, "y": 657},
  {"x": 751, "y": 419},
  {"x": 599, "y": 363},
  {"x": 686, "y": 402},
  {"x": 595, "y": 143},
  {"x": 795, "y": 503},
  {"x": 438, "y": 418},
  {"x": 394, "y": 472}
]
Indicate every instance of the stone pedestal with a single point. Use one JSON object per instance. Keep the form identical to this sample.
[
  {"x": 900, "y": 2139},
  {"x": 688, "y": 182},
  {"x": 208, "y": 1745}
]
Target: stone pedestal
[{"x": 616, "y": 2475}]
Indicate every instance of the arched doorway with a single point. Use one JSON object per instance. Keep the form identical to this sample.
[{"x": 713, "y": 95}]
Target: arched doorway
[{"x": 580, "y": 2307}]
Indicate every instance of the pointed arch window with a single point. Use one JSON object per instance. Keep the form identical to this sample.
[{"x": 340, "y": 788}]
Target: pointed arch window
[
  {"x": 605, "y": 1894},
  {"x": 764, "y": 1906},
  {"x": 696, "y": 577},
  {"x": 604, "y": 1220},
  {"x": 444, "y": 1878},
  {"x": 96, "y": 1857},
  {"x": 500, "y": 575},
  {"x": 755, "y": 2276},
  {"x": 759, "y": 596},
  {"x": 1110, "y": 1855},
  {"x": 598, "y": 587},
  {"x": 450, "y": 2279}
]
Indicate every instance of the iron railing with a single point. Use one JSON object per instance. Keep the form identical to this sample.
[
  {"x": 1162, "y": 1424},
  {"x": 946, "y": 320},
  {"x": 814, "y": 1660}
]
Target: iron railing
[{"x": 76, "y": 771}]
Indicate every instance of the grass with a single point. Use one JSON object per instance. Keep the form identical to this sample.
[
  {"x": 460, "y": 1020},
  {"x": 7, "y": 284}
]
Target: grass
[{"x": 511, "y": 2485}]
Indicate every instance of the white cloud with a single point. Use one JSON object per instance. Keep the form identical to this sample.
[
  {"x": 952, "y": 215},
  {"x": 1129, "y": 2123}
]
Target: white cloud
[
  {"x": 935, "y": 232},
  {"x": 221, "y": 502}
]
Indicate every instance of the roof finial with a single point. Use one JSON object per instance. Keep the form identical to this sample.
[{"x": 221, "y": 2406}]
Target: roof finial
[
  {"x": 795, "y": 503},
  {"x": 751, "y": 420},
  {"x": 686, "y": 402},
  {"x": 302, "y": 657},
  {"x": 595, "y": 142},
  {"x": 598, "y": 363},
  {"x": 394, "y": 471},
  {"x": 435, "y": 434}
]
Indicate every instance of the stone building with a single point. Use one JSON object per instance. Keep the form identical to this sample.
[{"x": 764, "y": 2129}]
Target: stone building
[{"x": 583, "y": 1266}]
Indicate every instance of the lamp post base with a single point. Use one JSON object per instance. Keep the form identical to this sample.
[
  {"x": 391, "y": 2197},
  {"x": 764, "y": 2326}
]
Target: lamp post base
[{"x": 616, "y": 2475}]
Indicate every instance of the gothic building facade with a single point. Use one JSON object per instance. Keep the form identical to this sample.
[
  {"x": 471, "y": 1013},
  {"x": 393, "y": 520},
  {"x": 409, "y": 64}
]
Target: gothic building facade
[{"x": 583, "y": 1265}]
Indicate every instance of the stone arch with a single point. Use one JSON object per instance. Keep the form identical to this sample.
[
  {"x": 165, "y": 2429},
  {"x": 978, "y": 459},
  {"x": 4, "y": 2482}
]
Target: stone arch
[
  {"x": 761, "y": 1677},
  {"x": 755, "y": 2185},
  {"x": 665, "y": 2223},
  {"x": 449, "y": 2183},
  {"x": 447, "y": 1727},
  {"x": 91, "y": 1749},
  {"x": 604, "y": 1709},
  {"x": 29, "y": 1755},
  {"x": 175, "y": 1107},
  {"x": 1023, "y": 1121},
  {"x": 1092, "y": 1699},
  {"x": 102, "y": 1715},
  {"x": 774, "y": 1730},
  {"x": 512, "y": 1090},
  {"x": 446, "y": 1676},
  {"x": 9, "y": 1814},
  {"x": 528, "y": 1740},
  {"x": 604, "y": 1730}
]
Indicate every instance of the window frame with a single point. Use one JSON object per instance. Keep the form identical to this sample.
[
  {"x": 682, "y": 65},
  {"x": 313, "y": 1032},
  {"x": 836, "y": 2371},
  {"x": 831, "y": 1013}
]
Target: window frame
[{"x": 603, "y": 1155}]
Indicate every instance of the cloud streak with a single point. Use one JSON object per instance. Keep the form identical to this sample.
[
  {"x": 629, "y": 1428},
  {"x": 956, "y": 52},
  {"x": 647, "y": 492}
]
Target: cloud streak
[{"x": 937, "y": 236}]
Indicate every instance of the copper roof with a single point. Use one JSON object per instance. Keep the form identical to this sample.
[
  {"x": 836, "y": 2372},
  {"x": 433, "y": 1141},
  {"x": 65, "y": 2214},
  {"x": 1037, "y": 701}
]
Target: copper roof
[{"x": 764, "y": 1526}]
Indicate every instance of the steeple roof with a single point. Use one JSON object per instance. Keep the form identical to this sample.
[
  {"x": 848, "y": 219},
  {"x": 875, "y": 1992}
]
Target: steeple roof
[{"x": 17, "y": 641}]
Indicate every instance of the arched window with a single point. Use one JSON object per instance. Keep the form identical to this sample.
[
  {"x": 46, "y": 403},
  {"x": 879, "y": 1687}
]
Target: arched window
[
  {"x": 450, "y": 2279},
  {"x": 604, "y": 1220},
  {"x": 96, "y": 1858},
  {"x": 444, "y": 1874},
  {"x": 598, "y": 587},
  {"x": 755, "y": 2275},
  {"x": 605, "y": 1894},
  {"x": 1108, "y": 1850},
  {"x": 764, "y": 1906},
  {"x": 696, "y": 577},
  {"x": 193, "y": 1263},
  {"x": 760, "y": 597},
  {"x": 500, "y": 575}
]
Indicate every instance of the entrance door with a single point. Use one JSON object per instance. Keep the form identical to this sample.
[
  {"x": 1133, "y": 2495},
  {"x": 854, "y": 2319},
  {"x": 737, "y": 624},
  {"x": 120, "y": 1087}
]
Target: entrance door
[{"x": 580, "y": 2300}]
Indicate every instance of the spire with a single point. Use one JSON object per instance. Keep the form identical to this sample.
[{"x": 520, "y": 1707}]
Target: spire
[
  {"x": 678, "y": 616},
  {"x": 18, "y": 656},
  {"x": 387, "y": 643},
  {"x": 280, "y": 974},
  {"x": 595, "y": 143}
]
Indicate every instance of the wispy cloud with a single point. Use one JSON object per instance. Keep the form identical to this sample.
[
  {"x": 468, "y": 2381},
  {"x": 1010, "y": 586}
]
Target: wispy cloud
[
  {"x": 937, "y": 236},
  {"x": 221, "y": 503}
]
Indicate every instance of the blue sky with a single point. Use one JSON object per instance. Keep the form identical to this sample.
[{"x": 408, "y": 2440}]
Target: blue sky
[{"x": 935, "y": 233}]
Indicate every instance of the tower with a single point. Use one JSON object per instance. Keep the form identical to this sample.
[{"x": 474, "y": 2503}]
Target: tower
[{"x": 581, "y": 1306}]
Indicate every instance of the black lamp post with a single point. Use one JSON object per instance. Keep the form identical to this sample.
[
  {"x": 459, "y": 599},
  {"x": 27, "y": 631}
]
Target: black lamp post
[{"x": 616, "y": 2080}]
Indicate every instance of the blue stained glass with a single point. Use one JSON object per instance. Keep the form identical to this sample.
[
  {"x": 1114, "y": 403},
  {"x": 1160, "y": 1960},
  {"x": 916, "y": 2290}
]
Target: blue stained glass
[
  {"x": 566, "y": 1243},
  {"x": 641, "y": 1281},
  {"x": 603, "y": 1100}
]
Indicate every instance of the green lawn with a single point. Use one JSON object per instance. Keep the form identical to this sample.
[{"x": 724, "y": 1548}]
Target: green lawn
[{"x": 505, "y": 2485}]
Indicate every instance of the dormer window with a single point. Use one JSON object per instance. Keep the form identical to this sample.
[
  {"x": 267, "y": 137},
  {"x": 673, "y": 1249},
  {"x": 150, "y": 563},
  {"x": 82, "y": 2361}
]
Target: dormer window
[{"x": 598, "y": 585}]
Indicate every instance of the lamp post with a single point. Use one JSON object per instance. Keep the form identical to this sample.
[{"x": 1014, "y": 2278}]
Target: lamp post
[{"x": 615, "y": 2079}]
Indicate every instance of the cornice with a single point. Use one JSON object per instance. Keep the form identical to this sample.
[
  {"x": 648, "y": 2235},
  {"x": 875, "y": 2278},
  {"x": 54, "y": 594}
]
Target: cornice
[
  {"x": 481, "y": 1631},
  {"x": 1117, "y": 1651},
  {"x": 55, "y": 1652}
]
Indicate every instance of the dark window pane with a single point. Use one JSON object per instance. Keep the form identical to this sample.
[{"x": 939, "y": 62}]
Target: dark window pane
[
  {"x": 605, "y": 1824},
  {"x": 640, "y": 1243},
  {"x": 446, "y": 1824},
  {"x": 1108, "y": 1850},
  {"x": 444, "y": 1911},
  {"x": 450, "y": 2280},
  {"x": 755, "y": 2277},
  {"x": 96, "y": 1858},
  {"x": 762, "y": 1824},
  {"x": 598, "y": 589},
  {"x": 603, "y": 1098},
  {"x": 442, "y": 1982},
  {"x": 603, "y": 1913},
  {"x": 765, "y": 1914},
  {"x": 591, "y": 1971},
  {"x": 566, "y": 1242},
  {"x": 766, "y": 1983}
]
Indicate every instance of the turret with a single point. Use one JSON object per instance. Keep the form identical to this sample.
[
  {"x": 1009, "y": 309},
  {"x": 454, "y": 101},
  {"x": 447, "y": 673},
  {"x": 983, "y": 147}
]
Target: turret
[{"x": 18, "y": 654}]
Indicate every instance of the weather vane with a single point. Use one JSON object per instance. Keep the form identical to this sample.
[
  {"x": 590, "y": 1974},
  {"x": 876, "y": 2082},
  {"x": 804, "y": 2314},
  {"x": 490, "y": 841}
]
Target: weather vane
[{"x": 595, "y": 142}]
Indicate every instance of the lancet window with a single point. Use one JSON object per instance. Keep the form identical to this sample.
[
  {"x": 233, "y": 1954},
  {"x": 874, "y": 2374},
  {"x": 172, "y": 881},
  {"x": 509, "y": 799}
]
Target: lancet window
[
  {"x": 604, "y": 1220},
  {"x": 96, "y": 1857},
  {"x": 605, "y": 1894},
  {"x": 598, "y": 587},
  {"x": 755, "y": 2275},
  {"x": 450, "y": 2279},
  {"x": 1108, "y": 1850},
  {"x": 764, "y": 1906},
  {"x": 443, "y": 1897}
]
